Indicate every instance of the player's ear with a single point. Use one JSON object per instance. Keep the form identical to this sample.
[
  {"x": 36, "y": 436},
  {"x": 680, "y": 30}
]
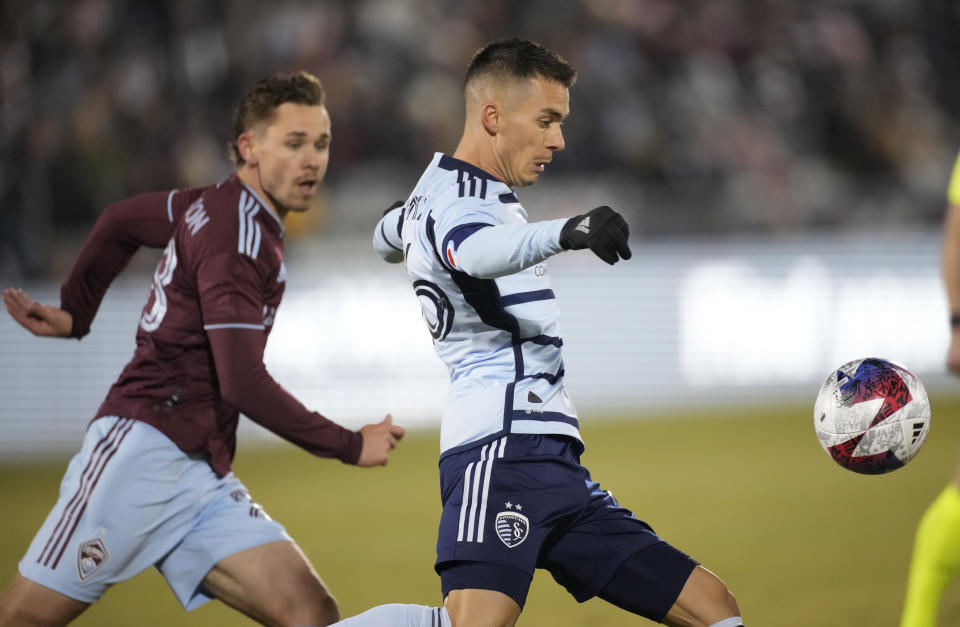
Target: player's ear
[
  {"x": 490, "y": 117},
  {"x": 247, "y": 145}
]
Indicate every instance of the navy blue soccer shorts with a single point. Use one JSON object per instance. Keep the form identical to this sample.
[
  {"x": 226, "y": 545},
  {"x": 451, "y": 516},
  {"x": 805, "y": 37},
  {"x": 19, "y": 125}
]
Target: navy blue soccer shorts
[{"x": 524, "y": 502}]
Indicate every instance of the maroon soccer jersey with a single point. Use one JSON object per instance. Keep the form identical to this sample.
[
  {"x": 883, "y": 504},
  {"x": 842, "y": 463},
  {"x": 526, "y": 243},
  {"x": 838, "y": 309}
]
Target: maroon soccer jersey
[{"x": 200, "y": 341}]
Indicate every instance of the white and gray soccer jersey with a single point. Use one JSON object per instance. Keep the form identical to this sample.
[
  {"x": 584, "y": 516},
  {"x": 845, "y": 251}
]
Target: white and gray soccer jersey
[{"x": 476, "y": 266}]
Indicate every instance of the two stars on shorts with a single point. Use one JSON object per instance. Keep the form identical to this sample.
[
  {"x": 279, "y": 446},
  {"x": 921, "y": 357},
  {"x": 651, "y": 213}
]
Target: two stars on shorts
[{"x": 510, "y": 505}]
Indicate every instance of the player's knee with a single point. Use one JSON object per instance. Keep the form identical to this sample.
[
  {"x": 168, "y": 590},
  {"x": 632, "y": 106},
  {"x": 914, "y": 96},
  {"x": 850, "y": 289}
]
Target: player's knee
[
  {"x": 730, "y": 603},
  {"x": 721, "y": 602},
  {"x": 316, "y": 607},
  {"x": 324, "y": 612}
]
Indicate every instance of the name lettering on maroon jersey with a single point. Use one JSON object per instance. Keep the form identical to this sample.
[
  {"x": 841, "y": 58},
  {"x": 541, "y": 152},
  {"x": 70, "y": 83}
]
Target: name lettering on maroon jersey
[
  {"x": 196, "y": 216},
  {"x": 248, "y": 241}
]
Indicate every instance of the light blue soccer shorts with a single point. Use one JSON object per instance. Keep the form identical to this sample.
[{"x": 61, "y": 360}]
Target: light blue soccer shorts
[{"x": 131, "y": 499}]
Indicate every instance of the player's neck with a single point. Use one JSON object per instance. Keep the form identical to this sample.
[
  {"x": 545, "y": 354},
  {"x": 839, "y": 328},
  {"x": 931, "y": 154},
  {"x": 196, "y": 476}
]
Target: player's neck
[
  {"x": 250, "y": 176},
  {"x": 480, "y": 155}
]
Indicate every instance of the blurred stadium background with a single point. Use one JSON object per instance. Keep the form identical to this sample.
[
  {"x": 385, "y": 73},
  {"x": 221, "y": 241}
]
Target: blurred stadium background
[{"x": 783, "y": 167}]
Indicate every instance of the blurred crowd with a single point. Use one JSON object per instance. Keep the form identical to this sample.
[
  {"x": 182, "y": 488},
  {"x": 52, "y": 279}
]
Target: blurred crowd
[{"x": 760, "y": 116}]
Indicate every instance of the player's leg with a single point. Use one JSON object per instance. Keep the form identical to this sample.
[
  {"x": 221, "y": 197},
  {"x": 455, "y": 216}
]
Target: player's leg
[
  {"x": 94, "y": 535},
  {"x": 936, "y": 558},
  {"x": 704, "y": 600},
  {"x": 665, "y": 585},
  {"x": 611, "y": 554},
  {"x": 532, "y": 489},
  {"x": 463, "y": 606},
  {"x": 274, "y": 584},
  {"x": 480, "y": 487},
  {"x": 481, "y": 608},
  {"x": 236, "y": 553},
  {"x": 26, "y": 603}
]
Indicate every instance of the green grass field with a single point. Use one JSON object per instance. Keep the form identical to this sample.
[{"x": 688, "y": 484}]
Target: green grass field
[{"x": 799, "y": 540}]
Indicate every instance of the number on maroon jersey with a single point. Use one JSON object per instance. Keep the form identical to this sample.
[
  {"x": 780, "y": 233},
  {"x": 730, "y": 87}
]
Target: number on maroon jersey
[{"x": 156, "y": 307}]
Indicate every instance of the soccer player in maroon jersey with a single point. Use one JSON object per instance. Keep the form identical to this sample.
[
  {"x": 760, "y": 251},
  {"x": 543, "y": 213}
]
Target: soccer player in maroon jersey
[{"x": 152, "y": 484}]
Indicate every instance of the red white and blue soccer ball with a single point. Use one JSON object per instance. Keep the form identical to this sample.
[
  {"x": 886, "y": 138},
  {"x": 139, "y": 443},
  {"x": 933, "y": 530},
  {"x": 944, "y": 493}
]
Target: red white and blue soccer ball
[{"x": 872, "y": 416}]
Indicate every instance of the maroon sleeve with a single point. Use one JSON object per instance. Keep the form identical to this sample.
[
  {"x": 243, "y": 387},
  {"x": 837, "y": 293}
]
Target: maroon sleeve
[
  {"x": 125, "y": 226},
  {"x": 230, "y": 290},
  {"x": 246, "y": 384}
]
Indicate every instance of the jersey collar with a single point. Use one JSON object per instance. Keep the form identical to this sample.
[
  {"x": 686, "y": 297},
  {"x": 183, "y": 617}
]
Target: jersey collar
[{"x": 452, "y": 163}]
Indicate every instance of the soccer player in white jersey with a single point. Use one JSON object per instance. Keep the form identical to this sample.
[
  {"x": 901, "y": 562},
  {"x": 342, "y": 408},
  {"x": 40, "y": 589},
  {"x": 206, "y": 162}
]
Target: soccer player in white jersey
[{"x": 515, "y": 497}]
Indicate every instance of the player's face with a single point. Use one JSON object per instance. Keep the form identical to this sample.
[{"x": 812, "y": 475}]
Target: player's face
[
  {"x": 292, "y": 155},
  {"x": 530, "y": 129}
]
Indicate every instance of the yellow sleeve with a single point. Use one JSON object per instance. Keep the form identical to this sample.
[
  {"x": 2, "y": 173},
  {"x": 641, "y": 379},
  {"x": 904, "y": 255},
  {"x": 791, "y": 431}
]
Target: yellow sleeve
[{"x": 953, "y": 192}]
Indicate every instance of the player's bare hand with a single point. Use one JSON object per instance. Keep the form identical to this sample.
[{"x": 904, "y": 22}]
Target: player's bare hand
[
  {"x": 953, "y": 353},
  {"x": 39, "y": 319},
  {"x": 378, "y": 440}
]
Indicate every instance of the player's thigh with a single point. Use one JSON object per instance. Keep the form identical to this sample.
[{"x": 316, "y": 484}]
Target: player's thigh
[
  {"x": 126, "y": 500},
  {"x": 704, "y": 600},
  {"x": 26, "y": 603},
  {"x": 481, "y": 608},
  {"x": 274, "y": 584},
  {"x": 226, "y": 538},
  {"x": 649, "y": 582}
]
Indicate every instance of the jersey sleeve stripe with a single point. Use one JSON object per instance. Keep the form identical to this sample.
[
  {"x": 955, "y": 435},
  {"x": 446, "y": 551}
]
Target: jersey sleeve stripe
[
  {"x": 248, "y": 236},
  {"x": 234, "y": 325},
  {"x": 253, "y": 247},
  {"x": 549, "y": 378},
  {"x": 544, "y": 340},
  {"x": 386, "y": 240},
  {"x": 526, "y": 297},
  {"x": 242, "y": 208},
  {"x": 462, "y": 232},
  {"x": 432, "y": 236},
  {"x": 170, "y": 205}
]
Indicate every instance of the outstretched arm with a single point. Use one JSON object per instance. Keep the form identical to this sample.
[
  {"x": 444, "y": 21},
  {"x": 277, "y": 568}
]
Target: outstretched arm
[
  {"x": 123, "y": 227},
  {"x": 230, "y": 289},
  {"x": 491, "y": 251},
  {"x": 246, "y": 384}
]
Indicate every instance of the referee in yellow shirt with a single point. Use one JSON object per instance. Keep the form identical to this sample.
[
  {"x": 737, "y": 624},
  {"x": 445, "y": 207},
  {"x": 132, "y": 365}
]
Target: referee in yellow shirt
[{"x": 936, "y": 550}]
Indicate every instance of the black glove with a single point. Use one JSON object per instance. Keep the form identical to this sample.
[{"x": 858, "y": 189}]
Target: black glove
[
  {"x": 398, "y": 203},
  {"x": 602, "y": 230}
]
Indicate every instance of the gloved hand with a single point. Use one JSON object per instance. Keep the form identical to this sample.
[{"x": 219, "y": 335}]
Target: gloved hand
[
  {"x": 602, "y": 230},
  {"x": 397, "y": 203}
]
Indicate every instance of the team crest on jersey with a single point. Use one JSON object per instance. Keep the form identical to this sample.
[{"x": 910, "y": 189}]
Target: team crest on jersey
[
  {"x": 90, "y": 557},
  {"x": 436, "y": 308},
  {"x": 512, "y": 528}
]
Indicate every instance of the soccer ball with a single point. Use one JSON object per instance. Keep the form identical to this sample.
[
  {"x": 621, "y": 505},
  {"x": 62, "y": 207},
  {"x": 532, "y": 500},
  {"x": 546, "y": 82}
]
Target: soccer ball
[{"x": 872, "y": 416}]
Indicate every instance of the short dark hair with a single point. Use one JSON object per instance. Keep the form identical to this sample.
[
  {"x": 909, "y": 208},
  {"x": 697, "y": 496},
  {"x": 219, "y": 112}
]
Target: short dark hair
[
  {"x": 520, "y": 58},
  {"x": 266, "y": 95}
]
